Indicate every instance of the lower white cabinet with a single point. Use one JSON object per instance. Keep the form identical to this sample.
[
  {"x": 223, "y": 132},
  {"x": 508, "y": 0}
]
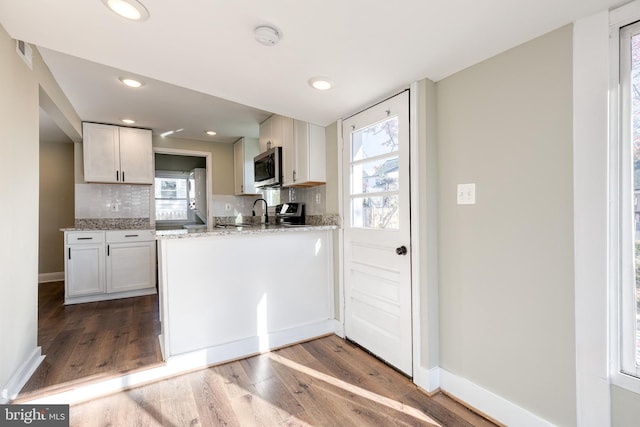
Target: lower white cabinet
[
  {"x": 84, "y": 272},
  {"x": 102, "y": 265},
  {"x": 131, "y": 261}
]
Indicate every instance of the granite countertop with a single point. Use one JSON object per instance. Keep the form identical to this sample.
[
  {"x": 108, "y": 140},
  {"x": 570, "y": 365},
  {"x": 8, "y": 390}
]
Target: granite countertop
[{"x": 228, "y": 230}]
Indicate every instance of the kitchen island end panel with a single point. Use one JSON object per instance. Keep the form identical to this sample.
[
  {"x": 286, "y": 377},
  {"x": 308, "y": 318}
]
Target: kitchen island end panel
[{"x": 245, "y": 293}]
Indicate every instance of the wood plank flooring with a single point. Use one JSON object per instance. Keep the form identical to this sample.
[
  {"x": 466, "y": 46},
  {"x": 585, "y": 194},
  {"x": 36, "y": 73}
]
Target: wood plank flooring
[
  {"x": 92, "y": 341},
  {"x": 324, "y": 382}
]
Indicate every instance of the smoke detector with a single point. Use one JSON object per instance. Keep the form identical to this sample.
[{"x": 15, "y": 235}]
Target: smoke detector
[{"x": 267, "y": 35}]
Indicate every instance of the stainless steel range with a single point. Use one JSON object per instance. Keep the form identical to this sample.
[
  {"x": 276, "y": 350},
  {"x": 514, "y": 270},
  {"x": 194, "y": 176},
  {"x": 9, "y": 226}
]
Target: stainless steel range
[{"x": 290, "y": 214}]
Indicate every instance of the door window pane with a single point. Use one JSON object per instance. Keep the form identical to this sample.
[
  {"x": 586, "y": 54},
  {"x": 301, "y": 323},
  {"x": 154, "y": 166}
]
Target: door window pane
[
  {"x": 375, "y": 140},
  {"x": 375, "y": 212},
  {"x": 375, "y": 176}
]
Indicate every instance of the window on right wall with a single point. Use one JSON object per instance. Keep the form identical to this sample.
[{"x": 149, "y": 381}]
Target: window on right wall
[{"x": 628, "y": 295}]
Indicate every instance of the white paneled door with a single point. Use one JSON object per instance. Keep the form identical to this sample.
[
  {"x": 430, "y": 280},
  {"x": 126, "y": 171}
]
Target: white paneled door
[{"x": 377, "y": 231}]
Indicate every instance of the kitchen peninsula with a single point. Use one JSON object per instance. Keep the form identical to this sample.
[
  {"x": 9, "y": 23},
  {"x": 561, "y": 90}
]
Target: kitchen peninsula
[{"x": 231, "y": 292}]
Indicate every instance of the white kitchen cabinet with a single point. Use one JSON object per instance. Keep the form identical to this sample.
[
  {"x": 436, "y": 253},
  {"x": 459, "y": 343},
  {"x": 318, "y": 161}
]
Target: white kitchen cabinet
[
  {"x": 276, "y": 131},
  {"x": 131, "y": 260},
  {"x": 114, "y": 154},
  {"x": 84, "y": 264},
  {"x": 304, "y": 157},
  {"x": 244, "y": 150},
  {"x": 114, "y": 264}
]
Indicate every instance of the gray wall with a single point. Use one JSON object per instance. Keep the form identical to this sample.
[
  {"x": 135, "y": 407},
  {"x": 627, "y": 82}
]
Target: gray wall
[
  {"x": 19, "y": 215},
  {"x": 506, "y": 263},
  {"x": 221, "y": 159},
  {"x": 625, "y": 408},
  {"x": 168, "y": 162},
  {"x": 56, "y": 203},
  {"x": 22, "y": 90}
]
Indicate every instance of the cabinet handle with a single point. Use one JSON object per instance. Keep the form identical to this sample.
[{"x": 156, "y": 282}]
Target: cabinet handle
[
  {"x": 130, "y": 235},
  {"x": 69, "y": 253},
  {"x": 117, "y": 175},
  {"x": 122, "y": 176},
  {"x": 294, "y": 176},
  {"x": 108, "y": 249},
  {"x": 85, "y": 238}
]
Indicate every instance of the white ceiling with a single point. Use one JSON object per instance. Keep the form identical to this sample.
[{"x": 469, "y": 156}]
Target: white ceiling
[{"x": 369, "y": 48}]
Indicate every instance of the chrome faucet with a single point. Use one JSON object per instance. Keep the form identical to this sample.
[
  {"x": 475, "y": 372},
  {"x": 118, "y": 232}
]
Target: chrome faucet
[{"x": 265, "y": 214}]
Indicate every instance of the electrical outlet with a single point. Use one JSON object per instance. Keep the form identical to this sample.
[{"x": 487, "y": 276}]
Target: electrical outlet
[
  {"x": 318, "y": 199},
  {"x": 114, "y": 207},
  {"x": 227, "y": 207}
]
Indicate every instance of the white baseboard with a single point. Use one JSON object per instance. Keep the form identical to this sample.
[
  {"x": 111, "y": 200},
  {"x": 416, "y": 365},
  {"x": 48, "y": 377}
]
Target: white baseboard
[
  {"x": 427, "y": 379},
  {"x": 489, "y": 403},
  {"x": 51, "y": 277},
  {"x": 21, "y": 376},
  {"x": 191, "y": 361}
]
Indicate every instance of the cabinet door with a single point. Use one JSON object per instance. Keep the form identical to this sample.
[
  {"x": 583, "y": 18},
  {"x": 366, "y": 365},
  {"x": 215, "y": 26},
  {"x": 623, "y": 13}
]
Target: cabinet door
[
  {"x": 131, "y": 266},
  {"x": 312, "y": 158},
  {"x": 307, "y": 156},
  {"x": 289, "y": 166},
  {"x": 84, "y": 270},
  {"x": 136, "y": 156},
  {"x": 244, "y": 150},
  {"x": 101, "y": 153},
  {"x": 238, "y": 167},
  {"x": 281, "y": 131},
  {"x": 265, "y": 134}
]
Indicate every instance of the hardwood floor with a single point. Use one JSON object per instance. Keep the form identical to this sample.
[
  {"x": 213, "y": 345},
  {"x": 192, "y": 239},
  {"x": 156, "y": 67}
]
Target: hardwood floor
[
  {"x": 324, "y": 382},
  {"x": 92, "y": 341}
]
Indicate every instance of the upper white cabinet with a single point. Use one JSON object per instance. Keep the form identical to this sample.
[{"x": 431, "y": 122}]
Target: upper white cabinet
[
  {"x": 276, "y": 131},
  {"x": 244, "y": 150},
  {"x": 117, "y": 154},
  {"x": 304, "y": 163}
]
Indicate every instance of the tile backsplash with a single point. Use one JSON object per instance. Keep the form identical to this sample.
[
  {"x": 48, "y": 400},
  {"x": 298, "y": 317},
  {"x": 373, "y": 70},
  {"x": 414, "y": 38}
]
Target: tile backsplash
[
  {"x": 223, "y": 205},
  {"x": 112, "y": 201},
  {"x": 109, "y": 201}
]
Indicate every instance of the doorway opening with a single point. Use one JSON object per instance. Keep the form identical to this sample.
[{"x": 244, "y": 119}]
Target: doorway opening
[{"x": 181, "y": 190}]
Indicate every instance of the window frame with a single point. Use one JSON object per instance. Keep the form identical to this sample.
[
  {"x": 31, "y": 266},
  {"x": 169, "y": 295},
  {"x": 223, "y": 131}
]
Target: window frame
[{"x": 624, "y": 370}]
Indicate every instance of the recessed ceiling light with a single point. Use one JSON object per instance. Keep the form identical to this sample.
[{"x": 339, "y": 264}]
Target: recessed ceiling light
[
  {"x": 131, "y": 82},
  {"x": 130, "y": 9},
  {"x": 320, "y": 83},
  {"x": 128, "y": 121},
  {"x": 210, "y": 132}
]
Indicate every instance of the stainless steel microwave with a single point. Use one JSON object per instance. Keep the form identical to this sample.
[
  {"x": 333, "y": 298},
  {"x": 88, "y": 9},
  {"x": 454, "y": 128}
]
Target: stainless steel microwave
[{"x": 267, "y": 168}]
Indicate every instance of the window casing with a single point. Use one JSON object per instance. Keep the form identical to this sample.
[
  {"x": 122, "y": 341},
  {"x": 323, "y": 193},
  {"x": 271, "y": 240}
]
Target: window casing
[{"x": 626, "y": 244}]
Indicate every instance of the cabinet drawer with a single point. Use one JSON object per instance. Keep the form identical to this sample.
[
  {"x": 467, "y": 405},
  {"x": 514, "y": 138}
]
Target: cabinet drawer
[
  {"x": 123, "y": 236},
  {"x": 84, "y": 237}
]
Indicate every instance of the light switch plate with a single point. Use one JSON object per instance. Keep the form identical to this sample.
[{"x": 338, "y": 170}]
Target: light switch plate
[{"x": 467, "y": 194}]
